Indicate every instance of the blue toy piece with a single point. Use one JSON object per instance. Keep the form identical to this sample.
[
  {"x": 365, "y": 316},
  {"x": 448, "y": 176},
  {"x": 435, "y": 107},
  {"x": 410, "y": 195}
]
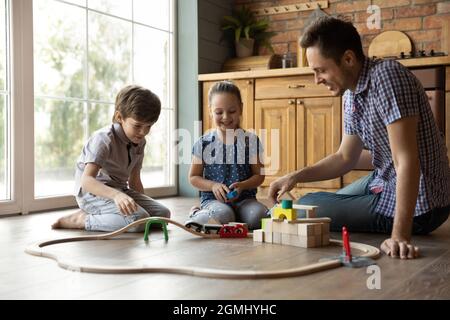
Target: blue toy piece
[
  {"x": 286, "y": 204},
  {"x": 232, "y": 194}
]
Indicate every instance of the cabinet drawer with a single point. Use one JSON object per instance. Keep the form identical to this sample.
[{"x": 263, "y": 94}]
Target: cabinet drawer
[{"x": 289, "y": 87}]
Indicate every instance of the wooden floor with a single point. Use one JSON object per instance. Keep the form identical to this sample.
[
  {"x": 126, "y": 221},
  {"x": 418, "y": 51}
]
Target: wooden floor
[{"x": 27, "y": 277}]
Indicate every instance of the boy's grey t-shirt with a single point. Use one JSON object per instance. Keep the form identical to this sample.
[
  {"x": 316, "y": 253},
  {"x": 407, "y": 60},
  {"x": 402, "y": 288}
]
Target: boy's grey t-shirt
[{"x": 117, "y": 156}]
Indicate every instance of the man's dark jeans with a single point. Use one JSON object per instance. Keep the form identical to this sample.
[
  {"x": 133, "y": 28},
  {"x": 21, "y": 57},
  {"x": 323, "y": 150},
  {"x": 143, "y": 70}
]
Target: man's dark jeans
[{"x": 354, "y": 207}]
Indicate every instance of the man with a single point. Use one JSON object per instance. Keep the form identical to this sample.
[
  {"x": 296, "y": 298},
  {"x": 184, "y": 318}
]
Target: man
[{"x": 387, "y": 112}]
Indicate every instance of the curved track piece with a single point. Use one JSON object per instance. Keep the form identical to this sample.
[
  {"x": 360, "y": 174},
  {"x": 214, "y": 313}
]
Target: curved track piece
[{"x": 36, "y": 249}]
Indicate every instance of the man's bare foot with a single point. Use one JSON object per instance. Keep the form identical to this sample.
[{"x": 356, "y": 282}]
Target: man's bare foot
[{"x": 71, "y": 221}]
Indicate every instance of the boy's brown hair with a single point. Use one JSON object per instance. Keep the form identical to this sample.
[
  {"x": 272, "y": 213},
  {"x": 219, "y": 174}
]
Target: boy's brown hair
[{"x": 137, "y": 102}]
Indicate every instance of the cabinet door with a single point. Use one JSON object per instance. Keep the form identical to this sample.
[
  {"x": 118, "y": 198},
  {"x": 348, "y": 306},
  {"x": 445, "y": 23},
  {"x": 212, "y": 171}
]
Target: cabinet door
[
  {"x": 277, "y": 117},
  {"x": 318, "y": 134},
  {"x": 247, "y": 94}
]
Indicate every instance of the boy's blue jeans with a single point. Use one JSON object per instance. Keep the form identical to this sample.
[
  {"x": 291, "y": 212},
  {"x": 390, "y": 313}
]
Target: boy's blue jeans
[{"x": 354, "y": 207}]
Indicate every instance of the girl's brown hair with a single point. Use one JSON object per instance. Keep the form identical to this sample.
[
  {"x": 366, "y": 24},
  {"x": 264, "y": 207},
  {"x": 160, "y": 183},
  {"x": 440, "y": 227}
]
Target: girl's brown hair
[
  {"x": 138, "y": 103},
  {"x": 224, "y": 87}
]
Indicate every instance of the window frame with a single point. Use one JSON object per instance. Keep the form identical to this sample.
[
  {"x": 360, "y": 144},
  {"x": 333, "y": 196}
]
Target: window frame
[{"x": 22, "y": 117}]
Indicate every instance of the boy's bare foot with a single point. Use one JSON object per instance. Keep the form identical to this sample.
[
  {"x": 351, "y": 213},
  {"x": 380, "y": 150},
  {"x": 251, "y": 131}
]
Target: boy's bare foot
[{"x": 71, "y": 221}]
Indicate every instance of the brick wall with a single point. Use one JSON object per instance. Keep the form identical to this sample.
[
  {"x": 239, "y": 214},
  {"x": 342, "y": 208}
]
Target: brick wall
[{"x": 421, "y": 20}]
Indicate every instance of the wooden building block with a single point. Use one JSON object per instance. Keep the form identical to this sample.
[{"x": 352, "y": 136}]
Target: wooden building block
[
  {"x": 258, "y": 235},
  {"x": 268, "y": 238},
  {"x": 308, "y": 229},
  {"x": 317, "y": 240},
  {"x": 303, "y": 207},
  {"x": 310, "y": 210},
  {"x": 285, "y": 239},
  {"x": 310, "y": 213},
  {"x": 317, "y": 229},
  {"x": 277, "y": 226},
  {"x": 302, "y": 241},
  {"x": 276, "y": 237},
  {"x": 311, "y": 220},
  {"x": 289, "y": 228},
  {"x": 325, "y": 239},
  {"x": 325, "y": 228},
  {"x": 266, "y": 224}
]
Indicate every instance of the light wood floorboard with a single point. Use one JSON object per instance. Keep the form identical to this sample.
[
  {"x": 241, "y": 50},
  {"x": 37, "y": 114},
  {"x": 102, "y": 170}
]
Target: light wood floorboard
[{"x": 27, "y": 277}]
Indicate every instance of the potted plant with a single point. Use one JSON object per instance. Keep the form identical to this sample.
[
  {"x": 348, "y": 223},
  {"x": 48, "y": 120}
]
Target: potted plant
[{"x": 243, "y": 30}]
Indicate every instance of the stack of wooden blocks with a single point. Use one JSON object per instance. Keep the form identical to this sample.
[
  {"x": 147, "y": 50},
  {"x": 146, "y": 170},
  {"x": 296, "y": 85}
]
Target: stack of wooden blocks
[{"x": 285, "y": 228}]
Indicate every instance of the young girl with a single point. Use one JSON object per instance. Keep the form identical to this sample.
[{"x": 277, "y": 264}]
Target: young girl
[
  {"x": 108, "y": 185},
  {"x": 227, "y": 159}
]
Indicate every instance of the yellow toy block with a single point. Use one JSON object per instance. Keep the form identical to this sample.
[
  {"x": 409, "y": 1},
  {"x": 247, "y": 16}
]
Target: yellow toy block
[{"x": 288, "y": 214}]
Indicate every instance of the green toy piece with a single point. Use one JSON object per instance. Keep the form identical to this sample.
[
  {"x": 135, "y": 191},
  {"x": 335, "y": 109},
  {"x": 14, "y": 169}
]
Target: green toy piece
[
  {"x": 156, "y": 221},
  {"x": 286, "y": 204}
]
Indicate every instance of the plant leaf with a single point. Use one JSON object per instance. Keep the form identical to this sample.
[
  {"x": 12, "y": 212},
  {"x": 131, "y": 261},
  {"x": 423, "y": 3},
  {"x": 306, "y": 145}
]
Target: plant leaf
[{"x": 237, "y": 34}]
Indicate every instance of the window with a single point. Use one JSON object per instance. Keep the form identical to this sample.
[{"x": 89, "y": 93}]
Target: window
[
  {"x": 5, "y": 119},
  {"x": 84, "y": 53}
]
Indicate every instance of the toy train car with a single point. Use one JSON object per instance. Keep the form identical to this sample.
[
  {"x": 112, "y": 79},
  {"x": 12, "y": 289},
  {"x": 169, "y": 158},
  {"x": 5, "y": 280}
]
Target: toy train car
[{"x": 230, "y": 230}]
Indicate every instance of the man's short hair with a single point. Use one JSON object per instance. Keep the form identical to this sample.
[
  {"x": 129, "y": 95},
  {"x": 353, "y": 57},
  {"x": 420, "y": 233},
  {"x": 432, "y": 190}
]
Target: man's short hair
[{"x": 333, "y": 37}]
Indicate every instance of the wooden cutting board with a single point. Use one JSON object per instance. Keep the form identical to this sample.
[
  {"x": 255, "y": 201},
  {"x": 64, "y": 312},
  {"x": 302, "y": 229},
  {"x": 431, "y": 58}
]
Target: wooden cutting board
[{"x": 390, "y": 44}]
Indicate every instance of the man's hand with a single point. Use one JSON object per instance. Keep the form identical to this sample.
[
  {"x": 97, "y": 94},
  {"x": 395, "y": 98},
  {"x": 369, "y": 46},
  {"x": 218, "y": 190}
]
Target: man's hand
[
  {"x": 281, "y": 186},
  {"x": 399, "y": 249},
  {"x": 126, "y": 204}
]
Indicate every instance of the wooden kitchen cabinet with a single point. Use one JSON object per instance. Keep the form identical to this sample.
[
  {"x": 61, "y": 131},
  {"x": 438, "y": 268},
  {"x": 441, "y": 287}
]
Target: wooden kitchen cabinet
[
  {"x": 318, "y": 134},
  {"x": 247, "y": 93},
  {"x": 308, "y": 119},
  {"x": 275, "y": 124},
  {"x": 308, "y": 130}
]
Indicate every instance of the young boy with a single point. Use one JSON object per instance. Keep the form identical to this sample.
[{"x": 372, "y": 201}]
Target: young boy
[{"x": 108, "y": 185}]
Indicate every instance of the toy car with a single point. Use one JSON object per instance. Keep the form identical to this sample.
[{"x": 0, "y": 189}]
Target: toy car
[{"x": 233, "y": 230}]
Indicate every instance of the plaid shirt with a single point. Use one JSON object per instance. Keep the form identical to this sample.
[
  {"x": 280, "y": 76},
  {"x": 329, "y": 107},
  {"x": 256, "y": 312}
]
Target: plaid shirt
[{"x": 386, "y": 92}]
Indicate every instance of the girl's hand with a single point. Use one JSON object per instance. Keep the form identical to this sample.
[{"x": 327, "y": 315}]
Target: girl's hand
[
  {"x": 220, "y": 191},
  {"x": 126, "y": 204},
  {"x": 238, "y": 187}
]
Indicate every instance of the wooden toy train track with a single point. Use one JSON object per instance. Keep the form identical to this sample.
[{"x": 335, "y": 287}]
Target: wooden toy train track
[{"x": 37, "y": 250}]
